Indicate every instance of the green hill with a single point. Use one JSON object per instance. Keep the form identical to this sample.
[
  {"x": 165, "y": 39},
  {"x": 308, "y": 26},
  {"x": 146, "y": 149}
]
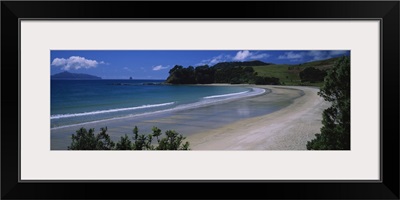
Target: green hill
[
  {"x": 289, "y": 74},
  {"x": 252, "y": 72},
  {"x": 243, "y": 64}
]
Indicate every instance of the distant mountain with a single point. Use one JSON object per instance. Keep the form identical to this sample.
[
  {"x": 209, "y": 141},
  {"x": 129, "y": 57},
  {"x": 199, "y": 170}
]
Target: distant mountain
[
  {"x": 73, "y": 76},
  {"x": 243, "y": 64}
]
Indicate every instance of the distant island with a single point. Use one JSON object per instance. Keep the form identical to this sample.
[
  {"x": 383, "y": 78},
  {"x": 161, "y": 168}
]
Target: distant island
[{"x": 73, "y": 76}]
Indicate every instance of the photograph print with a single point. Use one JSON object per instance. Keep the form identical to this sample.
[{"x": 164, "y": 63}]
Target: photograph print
[{"x": 200, "y": 100}]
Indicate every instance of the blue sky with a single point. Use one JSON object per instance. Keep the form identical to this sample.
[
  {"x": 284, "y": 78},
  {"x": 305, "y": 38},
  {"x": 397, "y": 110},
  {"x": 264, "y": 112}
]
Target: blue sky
[{"x": 155, "y": 64}]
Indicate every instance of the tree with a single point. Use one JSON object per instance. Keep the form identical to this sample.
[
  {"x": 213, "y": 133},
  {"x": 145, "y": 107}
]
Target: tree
[
  {"x": 87, "y": 140},
  {"x": 266, "y": 80},
  {"x": 124, "y": 144},
  {"x": 312, "y": 75},
  {"x": 335, "y": 133},
  {"x": 173, "y": 141},
  {"x": 140, "y": 141},
  {"x": 226, "y": 72},
  {"x": 104, "y": 141},
  {"x": 204, "y": 74},
  {"x": 175, "y": 75},
  {"x": 156, "y": 133},
  {"x": 180, "y": 75},
  {"x": 83, "y": 140}
]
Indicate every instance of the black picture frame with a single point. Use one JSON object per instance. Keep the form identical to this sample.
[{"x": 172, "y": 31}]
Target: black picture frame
[{"x": 386, "y": 11}]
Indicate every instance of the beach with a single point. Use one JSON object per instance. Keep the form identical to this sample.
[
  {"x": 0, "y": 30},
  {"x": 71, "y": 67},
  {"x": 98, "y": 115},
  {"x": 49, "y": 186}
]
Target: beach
[
  {"x": 287, "y": 129},
  {"x": 284, "y": 118}
]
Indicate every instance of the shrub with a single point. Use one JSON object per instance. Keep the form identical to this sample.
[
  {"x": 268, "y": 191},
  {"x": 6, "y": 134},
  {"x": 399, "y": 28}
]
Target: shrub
[
  {"x": 335, "y": 133},
  {"x": 87, "y": 140}
]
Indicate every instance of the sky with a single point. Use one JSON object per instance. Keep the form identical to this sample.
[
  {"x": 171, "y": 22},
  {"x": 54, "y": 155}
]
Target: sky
[{"x": 155, "y": 64}]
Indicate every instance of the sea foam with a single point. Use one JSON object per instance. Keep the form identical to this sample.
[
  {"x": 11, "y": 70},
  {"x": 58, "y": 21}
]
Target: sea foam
[
  {"x": 225, "y": 95},
  {"x": 109, "y": 111},
  {"x": 216, "y": 99}
]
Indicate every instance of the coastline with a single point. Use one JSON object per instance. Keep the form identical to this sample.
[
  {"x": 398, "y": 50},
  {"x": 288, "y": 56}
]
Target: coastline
[
  {"x": 257, "y": 91},
  {"x": 208, "y": 128},
  {"x": 286, "y": 129}
]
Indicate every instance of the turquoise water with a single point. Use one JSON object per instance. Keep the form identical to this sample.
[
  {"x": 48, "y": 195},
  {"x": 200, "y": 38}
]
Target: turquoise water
[{"x": 80, "y": 101}]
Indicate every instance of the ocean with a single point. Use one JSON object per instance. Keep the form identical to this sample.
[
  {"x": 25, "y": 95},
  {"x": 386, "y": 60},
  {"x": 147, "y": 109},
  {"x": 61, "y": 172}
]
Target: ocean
[{"x": 76, "y": 102}]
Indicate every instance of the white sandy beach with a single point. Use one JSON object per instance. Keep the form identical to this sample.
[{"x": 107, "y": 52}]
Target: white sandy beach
[
  {"x": 287, "y": 129},
  {"x": 217, "y": 127}
]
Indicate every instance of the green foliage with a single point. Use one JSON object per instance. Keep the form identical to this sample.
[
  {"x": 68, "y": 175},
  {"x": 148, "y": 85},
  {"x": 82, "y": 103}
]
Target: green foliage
[
  {"x": 104, "y": 141},
  {"x": 83, "y": 140},
  {"x": 156, "y": 133},
  {"x": 312, "y": 75},
  {"x": 124, "y": 143},
  {"x": 180, "y": 75},
  {"x": 228, "y": 72},
  {"x": 141, "y": 142},
  {"x": 266, "y": 80},
  {"x": 335, "y": 133},
  {"x": 244, "y": 64},
  {"x": 290, "y": 73},
  {"x": 234, "y": 75},
  {"x": 247, "y": 72},
  {"x": 173, "y": 141},
  {"x": 87, "y": 140},
  {"x": 204, "y": 74}
]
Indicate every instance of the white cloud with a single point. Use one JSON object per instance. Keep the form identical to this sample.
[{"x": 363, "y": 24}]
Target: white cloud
[
  {"x": 291, "y": 55},
  {"x": 322, "y": 55},
  {"x": 259, "y": 56},
  {"x": 214, "y": 60},
  {"x": 318, "y": 55},
  {"x": 128, "y": 69},
  {"x": 337, "y": 52},
  {"x": 246, "y": 55},
  {"x": 159, "y": 67},
  {"x": 242, "y": 55},
  {"x": 218, "y": 59},
  {"x": 75, "y": 62}
]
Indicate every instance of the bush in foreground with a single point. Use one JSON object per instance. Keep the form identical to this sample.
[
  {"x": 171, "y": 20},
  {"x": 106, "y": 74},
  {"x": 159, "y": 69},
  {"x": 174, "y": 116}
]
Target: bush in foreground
[
  {"x": 87, "y": 140},
  {"x": 335, "y": 133}
]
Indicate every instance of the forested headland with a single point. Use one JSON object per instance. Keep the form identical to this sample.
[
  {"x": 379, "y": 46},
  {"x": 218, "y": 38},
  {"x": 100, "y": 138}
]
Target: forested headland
[{"x": 253, "y": 72}]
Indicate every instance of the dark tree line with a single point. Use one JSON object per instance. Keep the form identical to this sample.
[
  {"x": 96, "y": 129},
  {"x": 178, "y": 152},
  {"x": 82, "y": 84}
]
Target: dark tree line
[
  {"x": 335, "y": 132},
  {"x": 219, "y": 73},
  {"x": 181, "y": 75},
  {"x": 312, "y": 75},
  {"x": 244, "y": 64},
  {"x": 87, "y": 140},
  {"x": 234, "y": 75},
  {"x": 266, "y": 80}
]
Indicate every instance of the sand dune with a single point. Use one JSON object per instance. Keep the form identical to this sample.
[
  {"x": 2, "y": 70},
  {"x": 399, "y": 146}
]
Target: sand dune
[{"x": 287, "y": 129}]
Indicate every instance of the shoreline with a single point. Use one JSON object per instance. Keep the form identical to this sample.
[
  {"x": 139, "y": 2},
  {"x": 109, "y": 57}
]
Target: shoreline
[
  {"x": 204, "y": 104},
  {"x": 286, "y": 129},
  {"x": 207, "y": 128}
]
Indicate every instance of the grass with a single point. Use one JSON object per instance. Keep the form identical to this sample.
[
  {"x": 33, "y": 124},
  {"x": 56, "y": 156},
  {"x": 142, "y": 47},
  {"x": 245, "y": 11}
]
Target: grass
[{"x": 289, "y": 74}]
